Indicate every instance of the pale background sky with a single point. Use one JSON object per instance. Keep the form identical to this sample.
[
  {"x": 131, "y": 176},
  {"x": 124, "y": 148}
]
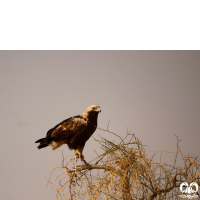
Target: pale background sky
[{"x": 156, "y": 94}]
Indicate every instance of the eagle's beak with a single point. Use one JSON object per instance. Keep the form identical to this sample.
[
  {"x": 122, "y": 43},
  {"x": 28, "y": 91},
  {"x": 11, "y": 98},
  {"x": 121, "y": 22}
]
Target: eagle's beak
[{"x": 99, "y": 110}]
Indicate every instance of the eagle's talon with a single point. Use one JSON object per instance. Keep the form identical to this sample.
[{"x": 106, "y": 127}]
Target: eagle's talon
[
  {"x": 86, "y": 162},
  {"x": 82, "y": 157}
]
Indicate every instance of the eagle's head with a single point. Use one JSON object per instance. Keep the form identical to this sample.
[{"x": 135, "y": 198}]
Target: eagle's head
[{"x": 92, "y": 110}]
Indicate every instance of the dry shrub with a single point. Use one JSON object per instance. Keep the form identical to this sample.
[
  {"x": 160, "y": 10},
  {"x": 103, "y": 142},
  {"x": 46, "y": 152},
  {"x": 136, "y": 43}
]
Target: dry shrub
[{"x": 125, "y": 171}]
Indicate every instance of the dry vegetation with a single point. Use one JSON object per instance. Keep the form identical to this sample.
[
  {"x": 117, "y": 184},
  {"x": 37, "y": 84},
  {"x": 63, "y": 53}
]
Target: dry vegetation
[{"x": 125, "y": 171}]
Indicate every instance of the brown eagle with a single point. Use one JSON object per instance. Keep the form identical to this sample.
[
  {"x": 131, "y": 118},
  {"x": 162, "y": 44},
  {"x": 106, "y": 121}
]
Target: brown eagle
[{"x": 74, "y": 131}]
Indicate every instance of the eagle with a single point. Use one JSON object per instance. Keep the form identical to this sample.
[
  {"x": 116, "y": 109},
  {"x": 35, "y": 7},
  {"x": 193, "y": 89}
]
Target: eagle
[{"x": 74, "y": 131}]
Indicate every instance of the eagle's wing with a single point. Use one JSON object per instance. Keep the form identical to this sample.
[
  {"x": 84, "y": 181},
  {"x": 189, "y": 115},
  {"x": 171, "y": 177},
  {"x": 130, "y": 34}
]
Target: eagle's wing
[{"x": 67, "y": 128}]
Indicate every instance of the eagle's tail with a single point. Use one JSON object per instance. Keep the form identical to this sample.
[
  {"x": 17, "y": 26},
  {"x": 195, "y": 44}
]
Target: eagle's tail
[{"x": 43, "y": 143}]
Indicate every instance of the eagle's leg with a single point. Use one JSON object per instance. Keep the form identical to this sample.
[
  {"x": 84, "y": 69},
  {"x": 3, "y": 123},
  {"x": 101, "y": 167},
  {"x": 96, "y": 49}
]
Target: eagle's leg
[{"x": 78, "y": 153}]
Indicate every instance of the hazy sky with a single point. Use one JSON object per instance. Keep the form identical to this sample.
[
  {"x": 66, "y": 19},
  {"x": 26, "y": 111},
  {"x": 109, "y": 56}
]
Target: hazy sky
[{"x": 156, "y": 94}]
